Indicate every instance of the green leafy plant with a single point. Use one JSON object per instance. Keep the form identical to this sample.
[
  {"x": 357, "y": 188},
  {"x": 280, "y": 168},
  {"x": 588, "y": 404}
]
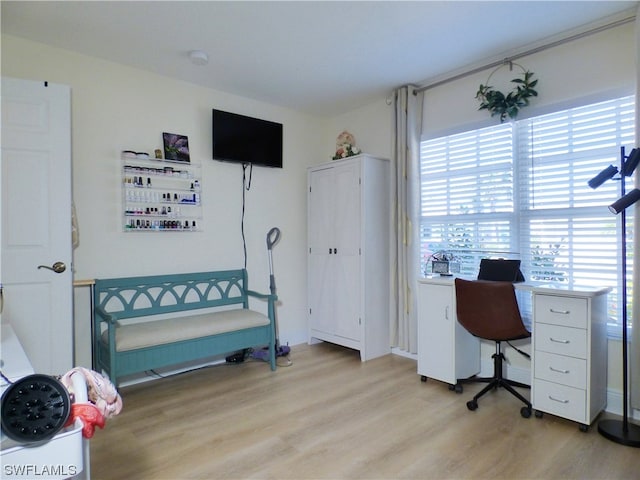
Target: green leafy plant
[{"x": 497, "y": 103}]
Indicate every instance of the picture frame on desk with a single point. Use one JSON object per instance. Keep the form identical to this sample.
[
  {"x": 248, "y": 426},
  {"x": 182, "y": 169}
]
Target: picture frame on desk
[{"x": 444, "y": 267}]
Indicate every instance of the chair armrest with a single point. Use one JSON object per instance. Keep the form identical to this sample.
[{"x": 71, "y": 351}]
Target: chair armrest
[
  {"x": 265, "y": 296},
  {"x": 104, "y": 316}
]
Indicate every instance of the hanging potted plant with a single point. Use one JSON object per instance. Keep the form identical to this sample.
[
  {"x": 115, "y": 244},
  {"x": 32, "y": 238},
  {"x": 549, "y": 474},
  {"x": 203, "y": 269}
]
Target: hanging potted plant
[{"x": 497, "y": 103}]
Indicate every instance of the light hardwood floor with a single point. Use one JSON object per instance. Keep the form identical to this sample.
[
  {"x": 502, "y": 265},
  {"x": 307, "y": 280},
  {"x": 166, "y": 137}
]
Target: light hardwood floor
[{"x": 330, "y": 416}]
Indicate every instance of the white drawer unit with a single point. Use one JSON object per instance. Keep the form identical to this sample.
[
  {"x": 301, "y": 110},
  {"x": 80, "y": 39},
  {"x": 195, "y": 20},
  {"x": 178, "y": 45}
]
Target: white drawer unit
[
  {"x": 561, "y": 369},
  {"x": 561, "y": 310},
  {"x": 561, "y": 400},
  {"x": 569, "y": 374},
  {"x": 570, "y": 342}
]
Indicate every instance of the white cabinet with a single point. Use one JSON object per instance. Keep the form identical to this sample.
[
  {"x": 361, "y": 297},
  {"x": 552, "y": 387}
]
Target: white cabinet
[
  {"x": 348, "y": 254},
  {"x": 160, "y": 195},
  {"x": 569, "y": 376},
  {"x": 446, "y": 351},
  {"x": 66, "y": 455}
]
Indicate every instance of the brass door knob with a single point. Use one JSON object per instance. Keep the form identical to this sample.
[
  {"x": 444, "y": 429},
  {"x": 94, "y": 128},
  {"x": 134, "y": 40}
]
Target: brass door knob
[{"x": 57, "y": 267}]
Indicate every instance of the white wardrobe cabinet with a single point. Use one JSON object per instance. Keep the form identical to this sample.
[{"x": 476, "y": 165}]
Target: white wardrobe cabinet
[{"x": 348, "y": 254}]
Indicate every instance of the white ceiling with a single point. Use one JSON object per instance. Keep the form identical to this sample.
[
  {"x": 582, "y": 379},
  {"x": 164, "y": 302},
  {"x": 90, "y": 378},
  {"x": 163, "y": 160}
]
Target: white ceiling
[{"x": 320, "y": 57}]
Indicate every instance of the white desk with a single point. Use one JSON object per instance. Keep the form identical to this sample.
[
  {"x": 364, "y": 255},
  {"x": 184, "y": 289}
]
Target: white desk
[{"x": 569, "y": 346}]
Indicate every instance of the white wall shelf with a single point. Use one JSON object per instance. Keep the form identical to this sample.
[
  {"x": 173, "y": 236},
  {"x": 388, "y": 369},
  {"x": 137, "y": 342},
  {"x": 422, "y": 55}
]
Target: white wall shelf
[{"x": 160, "y": 195}]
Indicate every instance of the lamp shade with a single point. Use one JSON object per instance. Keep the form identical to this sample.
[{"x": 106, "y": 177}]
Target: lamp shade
[
  {"x": 631, "y": 162},
  {"x": 603, "y": 176},
  {"x": 624, "y": 202}
]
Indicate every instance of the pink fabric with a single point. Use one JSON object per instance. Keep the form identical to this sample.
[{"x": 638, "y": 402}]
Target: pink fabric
[{"x": 100, "y": 391}]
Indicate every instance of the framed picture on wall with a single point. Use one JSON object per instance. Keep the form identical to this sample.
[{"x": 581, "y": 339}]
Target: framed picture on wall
[{"x": 176, "y": 147}]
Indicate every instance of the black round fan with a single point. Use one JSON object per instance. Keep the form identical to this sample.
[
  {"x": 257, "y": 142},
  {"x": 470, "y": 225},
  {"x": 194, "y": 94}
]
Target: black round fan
[{"x": 35, "y": 408}]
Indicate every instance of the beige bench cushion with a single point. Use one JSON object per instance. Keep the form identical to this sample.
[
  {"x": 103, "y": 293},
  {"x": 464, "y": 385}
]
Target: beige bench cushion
[{"x": 158, "y": 332}]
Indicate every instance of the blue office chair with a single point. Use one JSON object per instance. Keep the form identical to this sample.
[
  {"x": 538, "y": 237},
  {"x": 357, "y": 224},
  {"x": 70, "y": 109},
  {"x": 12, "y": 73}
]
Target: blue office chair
[{"x": 489, "y": 310}]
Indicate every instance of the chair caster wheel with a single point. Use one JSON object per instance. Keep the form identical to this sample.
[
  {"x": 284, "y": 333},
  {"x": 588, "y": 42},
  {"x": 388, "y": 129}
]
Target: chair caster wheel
[
  {"x": 525, "y": 412},
  {"x": 539, "y": 414},
  {"x": 456, "y": 388},
  {"x": 472, "y": 405}
]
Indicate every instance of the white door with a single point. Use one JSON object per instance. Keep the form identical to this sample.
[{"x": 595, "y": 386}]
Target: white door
[
  {"x": 321, "y": 240},
  {"x": 347, "y": 227},
  {"x": 36, "y": 221}
]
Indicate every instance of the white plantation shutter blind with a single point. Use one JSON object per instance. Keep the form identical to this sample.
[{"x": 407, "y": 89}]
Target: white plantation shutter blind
[
  {"x": 468, "y": 173},
  {"x": 519, "y": 190},
  {"x": 467, "y": 195}
]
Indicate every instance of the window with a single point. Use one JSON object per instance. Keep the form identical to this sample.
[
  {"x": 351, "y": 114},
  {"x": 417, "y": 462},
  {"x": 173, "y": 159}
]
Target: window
[{"x": 519, "y": 190}]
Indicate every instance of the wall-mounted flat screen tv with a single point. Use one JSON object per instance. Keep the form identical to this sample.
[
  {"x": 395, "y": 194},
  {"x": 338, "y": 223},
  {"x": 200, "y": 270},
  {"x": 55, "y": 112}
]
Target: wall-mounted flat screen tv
[{"x": 242, "y": 139}]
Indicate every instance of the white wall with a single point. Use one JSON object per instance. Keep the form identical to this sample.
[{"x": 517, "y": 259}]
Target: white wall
[
  {"x": 370, "y": 125},
  {"x": 114, "y": 108},
  {"x": 592, "y": 68}
]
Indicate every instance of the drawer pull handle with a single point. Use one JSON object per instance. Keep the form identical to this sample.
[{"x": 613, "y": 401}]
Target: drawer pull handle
[
  {"x": 558, "y": 370},
  {"x": 558, "y": 400},
  {"x": 559, "y": 341},
  {"x": 561, "y": 312}
]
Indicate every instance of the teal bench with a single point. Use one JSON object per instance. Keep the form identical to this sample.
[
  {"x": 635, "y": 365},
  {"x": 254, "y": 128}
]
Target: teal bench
[{"x": 144, "y": 323}]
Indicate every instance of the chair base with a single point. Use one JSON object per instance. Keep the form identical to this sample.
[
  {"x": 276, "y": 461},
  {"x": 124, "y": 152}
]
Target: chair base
[{"x": 498, "y": 381}]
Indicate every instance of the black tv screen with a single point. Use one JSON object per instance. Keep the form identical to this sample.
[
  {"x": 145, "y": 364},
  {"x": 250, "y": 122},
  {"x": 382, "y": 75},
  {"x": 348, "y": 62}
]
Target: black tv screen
[{"x": 243, "y": 139}]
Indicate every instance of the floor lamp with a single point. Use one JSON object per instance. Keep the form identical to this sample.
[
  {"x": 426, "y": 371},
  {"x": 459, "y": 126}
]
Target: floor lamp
[{"x": 621, "y": 431}]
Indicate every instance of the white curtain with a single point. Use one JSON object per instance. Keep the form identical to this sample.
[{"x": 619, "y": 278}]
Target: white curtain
[
  {"x": 634, "y": 356},
  {"x": 405, "y": 249}
]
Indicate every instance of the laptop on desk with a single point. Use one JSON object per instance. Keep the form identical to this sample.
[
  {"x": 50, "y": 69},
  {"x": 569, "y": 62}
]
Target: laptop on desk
[{"x": 500, "y": 270}]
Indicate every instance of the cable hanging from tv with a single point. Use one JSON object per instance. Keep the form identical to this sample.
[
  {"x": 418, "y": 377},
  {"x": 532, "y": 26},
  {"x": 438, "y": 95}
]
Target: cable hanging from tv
[{"x": 246, "y": 186}]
